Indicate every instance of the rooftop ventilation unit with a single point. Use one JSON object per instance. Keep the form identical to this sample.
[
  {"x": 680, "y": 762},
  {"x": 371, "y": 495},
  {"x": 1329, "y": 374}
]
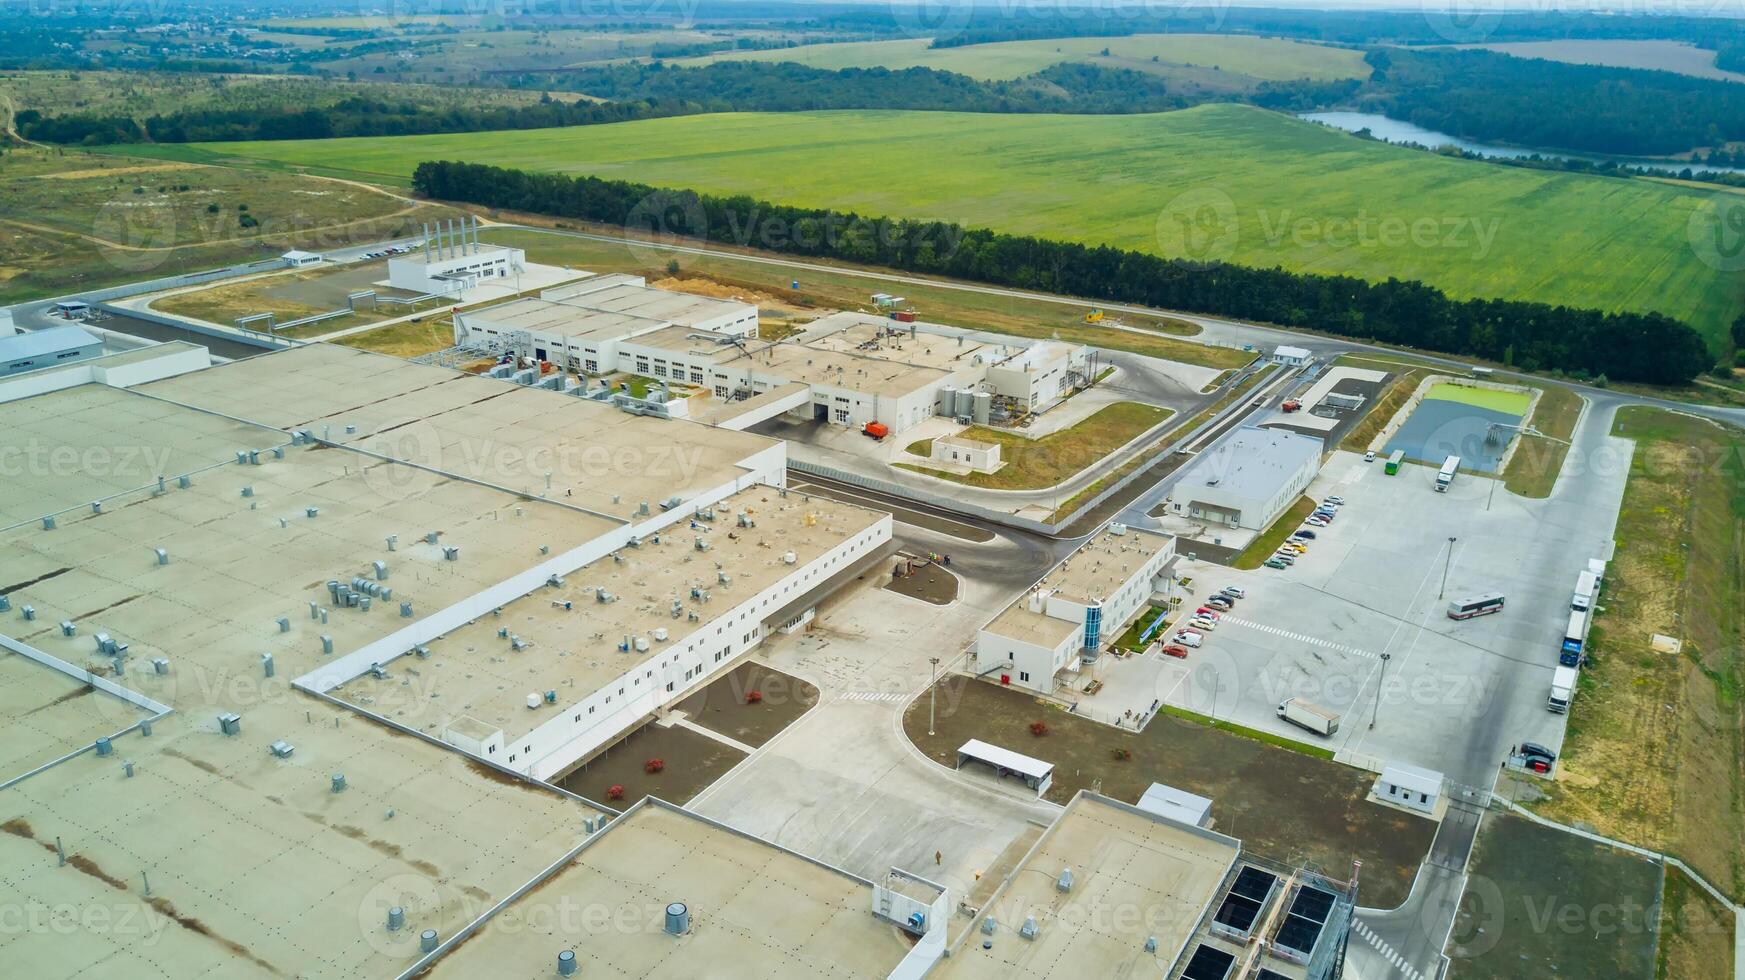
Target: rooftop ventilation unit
[
  {"x": 230, "y": 723},
  {"x": 1064, "y": 884},
  {"x": 678, "y": 919},
  {"x": 450, "y": 554},
  {"x": 337, "y": 781},
  {"x": 68, "y": 627},
  {"x": 281, "y": 749},
  {"x": 566, "y": 963},
  {"x": 702, "y": 543},
  {"x": 1028, "y": 929},
  {"x": 381, "y": 568}
]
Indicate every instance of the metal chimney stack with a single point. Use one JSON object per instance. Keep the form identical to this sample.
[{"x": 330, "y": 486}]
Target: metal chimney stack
[{"x": 427, "y": 243}]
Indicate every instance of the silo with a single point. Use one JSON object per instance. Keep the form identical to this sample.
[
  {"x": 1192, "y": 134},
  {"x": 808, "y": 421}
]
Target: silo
[{"x": 983, "y": 403}]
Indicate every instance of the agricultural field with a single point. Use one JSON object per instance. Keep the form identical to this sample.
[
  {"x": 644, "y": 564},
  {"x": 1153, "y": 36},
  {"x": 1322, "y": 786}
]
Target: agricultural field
[
  {"x": 142, "y": 94},
  {"x": 1251, "y": 58},
  {"x": 71, "y": 220},
  {"x": 1673, "y": 56},
  {"x": 472, "y": 55},
  {"x": 1653, "y": 751},
  {"x": 1212, "y": 182}
]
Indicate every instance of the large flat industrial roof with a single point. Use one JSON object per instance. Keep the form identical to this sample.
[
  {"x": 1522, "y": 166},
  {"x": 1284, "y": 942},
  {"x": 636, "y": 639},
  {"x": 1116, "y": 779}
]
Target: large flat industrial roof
[
  {"x": 255, "y": 865},
  {"x": 1095, "y": 571},
  {"x": 496, "y": 432},
  {"x": 756, "y": 911},
  {"x": 1135, "y": 876},
  {"x": 1254, "y": 462},
  {"x": 68, "y": 448},
  {"x": 472, "y": 673},
  {"x": 580, "y": 325}
]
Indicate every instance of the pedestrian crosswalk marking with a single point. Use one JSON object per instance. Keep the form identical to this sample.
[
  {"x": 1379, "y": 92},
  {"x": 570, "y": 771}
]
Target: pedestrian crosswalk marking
[
  {"x": 1388, "y": 952},
  {"x": 871, "y": 696},
  {"x": 1299, "y": 637}
]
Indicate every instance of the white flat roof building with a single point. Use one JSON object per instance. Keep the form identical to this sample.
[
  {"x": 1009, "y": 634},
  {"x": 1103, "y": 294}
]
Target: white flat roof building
[
  {"x": 1285, "y": 354},
  {"x": 1248, "y": 480},
  {"x": 46, "y": 348},
  {"x": 1077, "y": 607}
]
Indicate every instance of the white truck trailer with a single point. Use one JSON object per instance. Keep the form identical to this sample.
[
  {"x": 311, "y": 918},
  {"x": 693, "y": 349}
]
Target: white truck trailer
[
  {"x": 1445, "y": 476},
  {"x": 1307, "y": 715},
  {"x": 1586, "y": 584},
  {"x": 1563, "y": 681}
]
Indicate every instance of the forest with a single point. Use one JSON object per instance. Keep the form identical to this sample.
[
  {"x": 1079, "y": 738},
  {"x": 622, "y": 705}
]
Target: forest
[{"x": 1645, "y": 347}]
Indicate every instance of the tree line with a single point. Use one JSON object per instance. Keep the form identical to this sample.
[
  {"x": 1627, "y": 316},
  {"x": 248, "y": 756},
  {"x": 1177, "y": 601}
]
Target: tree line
[
  {"x": 1645, "y": 347},
  {"x": 349, "y": 117},
  {"x": 648, "y": 91},
  {"x": 1484, "y": 95}
]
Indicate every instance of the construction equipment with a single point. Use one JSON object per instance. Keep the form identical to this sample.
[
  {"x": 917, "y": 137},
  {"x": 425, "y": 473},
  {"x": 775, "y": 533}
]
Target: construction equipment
[{"x": 1094, "y": 316}]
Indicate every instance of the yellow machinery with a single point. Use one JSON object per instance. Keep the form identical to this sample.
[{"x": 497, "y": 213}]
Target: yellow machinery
[{"x": 1094, "y": 316}]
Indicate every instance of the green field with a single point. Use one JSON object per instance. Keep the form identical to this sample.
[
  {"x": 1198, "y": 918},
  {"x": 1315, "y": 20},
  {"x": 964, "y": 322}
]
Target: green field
[
  {"x": 1216, "y": 181},
  {"x": 1509, "y": 402},
  {"x": 1263, "y": 58}
]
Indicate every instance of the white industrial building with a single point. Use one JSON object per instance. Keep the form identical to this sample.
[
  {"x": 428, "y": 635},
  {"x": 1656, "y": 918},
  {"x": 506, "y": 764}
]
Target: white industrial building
[
  {"x": 581, "y": 325},
  {"x": 453, "y": 261},
  {"x": 1290, "y": 356},
  {"x": 46, "y": 348},
  {"x": 976, "y": 454},
  {"x": 1043, "y": 639},
  {"x": 1249, "y": 480},
  {"x": 1412, "y": 787},
  {"x": 299, "y": 259},
  {"x": 850, "y": 369}
]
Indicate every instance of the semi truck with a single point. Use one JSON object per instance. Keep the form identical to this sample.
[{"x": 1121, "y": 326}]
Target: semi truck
[
  {"x": 1569, "y": 655},
  {"x": 1562, "y": 690},
  {"x": 1307, "y": 715},
  {"x": 1586, "y": 584},
  {"x": 1445, "y": 476}
]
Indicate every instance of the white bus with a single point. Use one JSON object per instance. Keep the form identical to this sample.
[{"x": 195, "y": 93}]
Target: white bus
[
  {"x": 1478, "y": 605},
  {"x": 1450, "y": 466}
]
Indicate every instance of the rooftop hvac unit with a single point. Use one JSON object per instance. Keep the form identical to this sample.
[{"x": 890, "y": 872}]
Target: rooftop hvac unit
[
  {"x": 533, "y": 701},
  {"x": 641, "y": 644},
  {"x": 660, "y": 634},
  {"x": 281, "y": 749},
  {"x": 789, "y": 558}
]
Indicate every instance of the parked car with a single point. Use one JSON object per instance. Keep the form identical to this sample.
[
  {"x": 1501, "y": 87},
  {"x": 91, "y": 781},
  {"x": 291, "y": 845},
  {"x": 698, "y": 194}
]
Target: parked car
[
  {"x": 1202, "y": 624},
  {"x": 1286, "y": 558},
  {"x": 1317, "y": 522},
  {"x": 1335, "y": 500},
  {"x": 1175, "y": 650},
  {"x": 1275, "y": 563},
  {"x": 1369, "y": 457},
  {"x": 1304, "y": 534},
  {"x": 1534, "y": 749},
  {"x": 1233, "y": 592},
  {"x": 1220, "y": 603},
  {"x": 1208, "y": 612},
  {"x": 1188, "y": 638}
]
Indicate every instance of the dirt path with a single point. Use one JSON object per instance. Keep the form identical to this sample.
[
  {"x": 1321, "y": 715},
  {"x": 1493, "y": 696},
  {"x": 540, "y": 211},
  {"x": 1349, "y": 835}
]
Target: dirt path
[{"x": 106, "y": 243}]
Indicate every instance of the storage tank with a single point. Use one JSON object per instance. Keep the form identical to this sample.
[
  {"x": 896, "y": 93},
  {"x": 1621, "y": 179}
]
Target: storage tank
[
  {"x": 966, "y": 402},
  {"x": 984, "y": 404},
  {"x": 948, "y": 400}
]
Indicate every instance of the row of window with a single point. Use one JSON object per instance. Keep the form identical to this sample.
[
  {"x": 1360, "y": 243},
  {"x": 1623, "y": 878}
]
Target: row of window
[{"x": 749, "y": 637}]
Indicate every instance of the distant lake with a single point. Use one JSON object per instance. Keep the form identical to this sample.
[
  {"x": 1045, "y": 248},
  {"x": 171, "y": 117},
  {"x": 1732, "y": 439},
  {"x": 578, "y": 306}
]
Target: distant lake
[{"x": 1395, "y": 131}]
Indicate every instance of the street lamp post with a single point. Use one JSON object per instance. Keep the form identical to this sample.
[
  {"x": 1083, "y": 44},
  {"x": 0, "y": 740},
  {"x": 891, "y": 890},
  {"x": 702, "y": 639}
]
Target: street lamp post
[
  {"x": 1448, "y": 560},
  {"x": 1379, "y": 681},
  {"x": 932, "y": 693}
]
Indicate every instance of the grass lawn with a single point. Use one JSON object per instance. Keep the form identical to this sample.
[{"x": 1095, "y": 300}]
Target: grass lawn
[
  {"x": 1284, "y": 804},
  {"x": 1696, "y": 932},
  {"x": 1270, "y": 59},
  {"x": 1532, "y": 471},
  {"x": 1262, "y": 547},
  {"x": 1033, "y": 464},
  {"x": 1129, "y": 640},
  {"x": 1508, "y": 402},
  {"x": 1543, "y": 903},
  {"x": 693, "y": 761},
  {"x": 1296, "y": 195},
  {"x": 288, "y": 296},
  {"x": 1655, "y": 752},
  {"x": 73, "y": 220},
  {"x": 404, "y": 339}
]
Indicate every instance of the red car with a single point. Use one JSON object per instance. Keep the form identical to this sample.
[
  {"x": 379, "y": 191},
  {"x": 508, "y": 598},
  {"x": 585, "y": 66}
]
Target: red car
[
  {"x": 1176, "y": 650},
  {"x": 1208, "y": 612}
]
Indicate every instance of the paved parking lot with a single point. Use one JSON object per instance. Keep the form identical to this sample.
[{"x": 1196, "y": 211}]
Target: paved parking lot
[{"x": 1456, "y": 694}]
